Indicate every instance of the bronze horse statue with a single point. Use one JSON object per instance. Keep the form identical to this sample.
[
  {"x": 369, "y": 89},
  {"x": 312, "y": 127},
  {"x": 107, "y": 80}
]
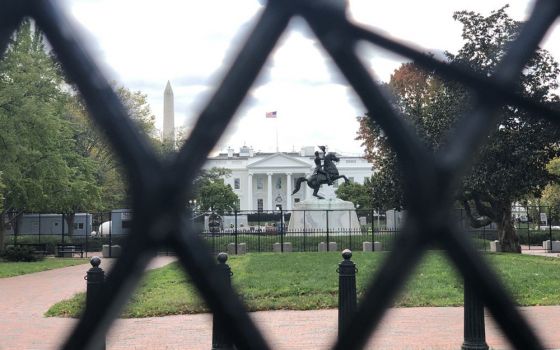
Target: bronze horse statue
[{"x": 316, "y": 180}]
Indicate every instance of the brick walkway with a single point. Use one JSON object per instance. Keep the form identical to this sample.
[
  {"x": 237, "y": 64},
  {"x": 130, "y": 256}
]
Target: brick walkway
[{"x": 25, "y": 298}]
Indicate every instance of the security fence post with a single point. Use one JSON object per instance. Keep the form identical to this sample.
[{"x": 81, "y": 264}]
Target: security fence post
[
  {"x": 347, "y": 299},
  {"x": 235, "y": 232},
  {"x": 219, "y": 339},
  {"x": 95, "y": 278},
  {"x": 328, "y": 238},
  {"x": 281, "y": 229},
  {"x": 373, "y": 228},
  {"x": 474, "y": 333},
  {"x": 550, "y": 227}
]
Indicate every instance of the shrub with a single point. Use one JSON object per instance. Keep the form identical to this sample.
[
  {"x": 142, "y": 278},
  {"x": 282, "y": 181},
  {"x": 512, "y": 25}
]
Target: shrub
[{"x": 21, "y": 254}]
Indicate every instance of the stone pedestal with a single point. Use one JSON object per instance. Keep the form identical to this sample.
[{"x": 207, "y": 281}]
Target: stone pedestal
[
  {"x": 322, "y": 247},
  {"x": 276, "y": 248},
  {"x": 367, "y": 246},
  {"x": 333, "y": 247},
  {"x": 115, "y": 251},
  {"x": 318, "y": 215},
  {"x": 495, "y": 246},
  {"x": 552, "y": 246},
  {"x": 241, "y": 248},
  {"x": 288, "y": 247},
  {"x": 377, "y": 246}
]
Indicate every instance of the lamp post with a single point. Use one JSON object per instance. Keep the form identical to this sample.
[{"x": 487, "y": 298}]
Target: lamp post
[{"x": 192, "y": 205}]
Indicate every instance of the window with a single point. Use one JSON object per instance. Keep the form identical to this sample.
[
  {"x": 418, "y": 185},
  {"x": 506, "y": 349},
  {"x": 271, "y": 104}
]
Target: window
[
  {"x": 296, "y": 200},
  {"x": 78, "y": 226},
  {"x": 236, "y": 183},
  {"x": 260, "y": 204},
  {"x": 260, "y": 183},
  {"x": 279, "y": 183}
]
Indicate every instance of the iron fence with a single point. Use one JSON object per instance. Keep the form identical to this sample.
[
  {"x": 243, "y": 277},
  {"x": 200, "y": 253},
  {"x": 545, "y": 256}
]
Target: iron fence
[
  {"x": 159, "y": 188},
  {"x": 260, "y": 230}
]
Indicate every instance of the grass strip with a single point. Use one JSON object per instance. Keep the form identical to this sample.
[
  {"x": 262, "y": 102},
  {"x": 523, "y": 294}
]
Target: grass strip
[
  {"x": 11, "y": 269},
  {"x": 306, "y": 281}
]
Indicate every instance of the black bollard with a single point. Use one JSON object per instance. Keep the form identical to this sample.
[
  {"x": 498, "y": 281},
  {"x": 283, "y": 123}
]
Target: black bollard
[
  {"x": 347, "y": 300},
  {"x": 219, "y": 339},
  {"x": 474, "y": 333},
  {"x": 95, "y": 279}
]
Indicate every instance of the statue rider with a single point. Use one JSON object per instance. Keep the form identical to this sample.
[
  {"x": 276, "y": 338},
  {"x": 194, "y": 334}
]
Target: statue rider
[{"x": 319, "y": 167}]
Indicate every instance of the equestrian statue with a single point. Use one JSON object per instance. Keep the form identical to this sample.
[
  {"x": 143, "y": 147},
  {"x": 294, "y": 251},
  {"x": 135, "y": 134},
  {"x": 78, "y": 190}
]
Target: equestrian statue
[{"x": 325, "y": 172}]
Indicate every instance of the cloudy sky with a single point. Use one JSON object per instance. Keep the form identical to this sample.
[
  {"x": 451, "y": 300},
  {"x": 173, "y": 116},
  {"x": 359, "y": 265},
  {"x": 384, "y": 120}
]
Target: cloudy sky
[{"x": 143, "y": 44}]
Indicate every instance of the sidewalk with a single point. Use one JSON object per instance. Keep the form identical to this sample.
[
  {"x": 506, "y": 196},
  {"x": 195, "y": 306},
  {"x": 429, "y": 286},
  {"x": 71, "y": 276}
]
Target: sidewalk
[{"x": 25, "y": 299}]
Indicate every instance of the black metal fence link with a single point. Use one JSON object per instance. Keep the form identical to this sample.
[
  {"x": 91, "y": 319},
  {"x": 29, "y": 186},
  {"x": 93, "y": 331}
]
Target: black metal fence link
[{"x": 159, "y": 187}]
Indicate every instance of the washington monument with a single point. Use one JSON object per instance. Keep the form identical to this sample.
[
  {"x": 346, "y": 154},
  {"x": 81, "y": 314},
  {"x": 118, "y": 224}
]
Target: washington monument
[{"x": 168, "y": 115}]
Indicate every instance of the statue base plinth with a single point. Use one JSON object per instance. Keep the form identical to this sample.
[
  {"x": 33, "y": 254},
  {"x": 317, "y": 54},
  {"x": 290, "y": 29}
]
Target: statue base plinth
[{"x": 318, "y": 215}]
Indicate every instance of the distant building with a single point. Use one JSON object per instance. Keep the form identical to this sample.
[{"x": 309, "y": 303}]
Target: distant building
[{"x": 265, "y": 181}]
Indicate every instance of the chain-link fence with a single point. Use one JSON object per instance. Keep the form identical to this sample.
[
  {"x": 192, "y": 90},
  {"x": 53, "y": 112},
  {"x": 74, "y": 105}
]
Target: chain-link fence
[{"x": 159, "y": 189}]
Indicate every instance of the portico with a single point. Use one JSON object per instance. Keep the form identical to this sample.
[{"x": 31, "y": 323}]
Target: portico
[
  {"x": 270, "y": 182},
  {"x": 265, "y": 181}
]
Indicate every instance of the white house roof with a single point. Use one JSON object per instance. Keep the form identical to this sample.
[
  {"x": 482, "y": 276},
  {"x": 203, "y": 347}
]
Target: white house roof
[{"x": 279, "y": 160}]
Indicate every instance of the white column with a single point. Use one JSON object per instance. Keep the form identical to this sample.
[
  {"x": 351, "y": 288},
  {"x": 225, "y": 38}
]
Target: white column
[
  {"x": 250, "y": 192},
  {"x": 289, "y": 190},
  {"x": 269, "y": 192}
]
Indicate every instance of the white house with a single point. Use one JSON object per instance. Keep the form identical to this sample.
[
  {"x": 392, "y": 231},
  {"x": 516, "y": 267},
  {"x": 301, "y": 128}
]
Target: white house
[{"x": 265, "y": 181}]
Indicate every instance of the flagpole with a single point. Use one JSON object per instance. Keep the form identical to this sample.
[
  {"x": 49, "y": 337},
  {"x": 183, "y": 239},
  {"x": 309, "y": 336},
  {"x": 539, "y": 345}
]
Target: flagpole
[{"x": 277, "y": 149}]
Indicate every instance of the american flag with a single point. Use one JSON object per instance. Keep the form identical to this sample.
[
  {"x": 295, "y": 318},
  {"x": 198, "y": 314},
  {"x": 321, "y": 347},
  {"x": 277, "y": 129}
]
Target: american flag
[{"x": 271, "y": 114}]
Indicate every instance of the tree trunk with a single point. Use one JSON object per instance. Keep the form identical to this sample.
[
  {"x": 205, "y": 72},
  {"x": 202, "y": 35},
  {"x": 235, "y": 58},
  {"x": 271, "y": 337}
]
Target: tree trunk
[
  {"x": 70, "y": 222},
  {"x": 506, "y": 231}
]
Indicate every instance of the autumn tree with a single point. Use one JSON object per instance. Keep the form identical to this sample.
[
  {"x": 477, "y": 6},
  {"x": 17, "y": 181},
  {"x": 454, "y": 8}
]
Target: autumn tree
[{"x": 512, "y": 163}]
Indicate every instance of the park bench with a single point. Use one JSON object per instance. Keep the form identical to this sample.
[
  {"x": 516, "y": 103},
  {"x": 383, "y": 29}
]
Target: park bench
[
  {"x": 69, "y": 249},
  {"x": 37, "y": 248}
]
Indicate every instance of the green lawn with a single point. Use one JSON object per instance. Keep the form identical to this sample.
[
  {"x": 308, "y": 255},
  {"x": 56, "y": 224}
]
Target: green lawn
[
  {"x": 303, "y": 281},
  {"x": 10, "y": 269}
]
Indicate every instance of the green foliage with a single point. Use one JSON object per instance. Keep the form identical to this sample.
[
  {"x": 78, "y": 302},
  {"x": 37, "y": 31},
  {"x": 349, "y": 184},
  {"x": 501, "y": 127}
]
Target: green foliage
[
  {"x": 2, "y": 189},
  {"x": 512, "y": 164},
  {"x": 34, "y": 141},
  {"x": 53, "y": 158},
  {"x": 551, "y": 193},
  {"x": 92, "y": 144},
  {"x": 355, "y": 193},
  {"x": 211, "y": 193},
  {"x": 25, "y": 254},
  {"x": 307, "y": 281}
]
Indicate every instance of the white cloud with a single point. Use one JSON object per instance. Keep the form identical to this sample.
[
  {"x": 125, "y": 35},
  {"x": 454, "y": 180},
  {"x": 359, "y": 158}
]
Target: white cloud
[{"x": 142, "y": 44}]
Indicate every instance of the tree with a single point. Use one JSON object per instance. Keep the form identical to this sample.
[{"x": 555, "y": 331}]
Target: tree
[
  {"x": 551, "y": 193},
  {"x": 34, "y": 139},
  {"x": 91, "y": 143},
  {"x": 52, "y": 157},
  {"x": 211, "y": 193},
  {"x": 513, "y": 162},
  {"x": 355, "y": 193}
]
